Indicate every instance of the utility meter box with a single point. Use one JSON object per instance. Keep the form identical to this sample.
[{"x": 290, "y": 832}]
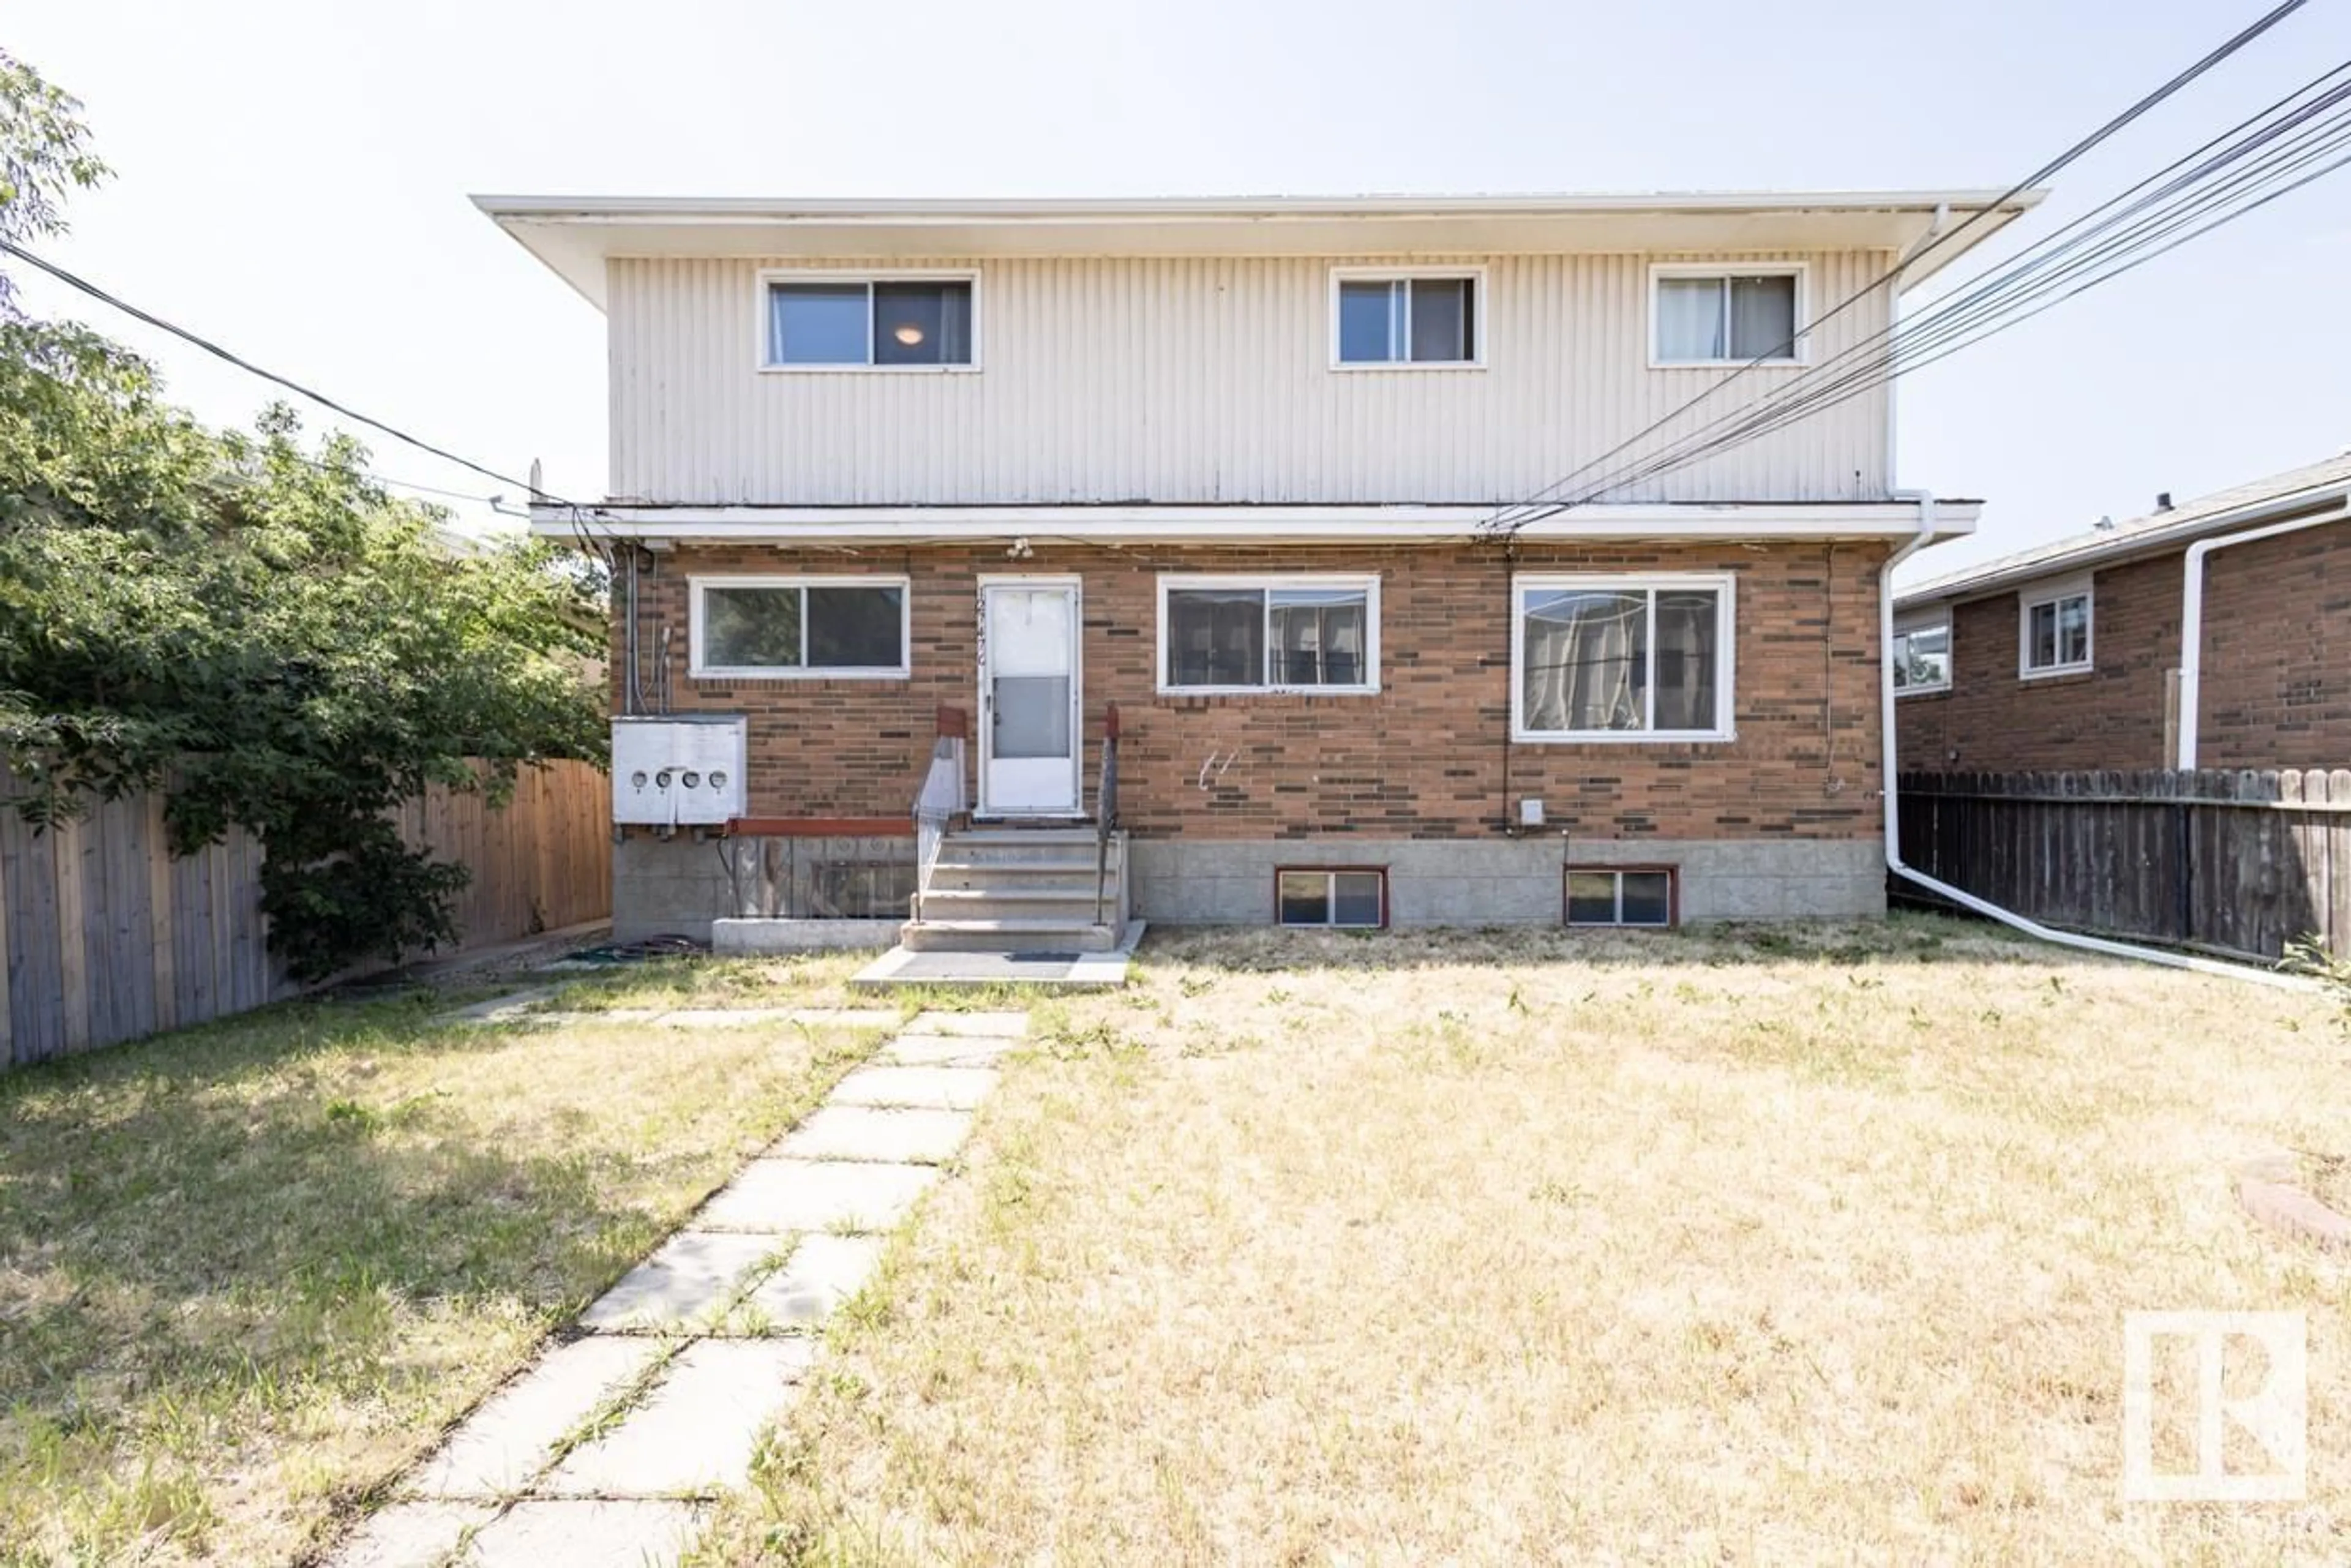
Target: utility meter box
[{"x": 677, "y": 771}]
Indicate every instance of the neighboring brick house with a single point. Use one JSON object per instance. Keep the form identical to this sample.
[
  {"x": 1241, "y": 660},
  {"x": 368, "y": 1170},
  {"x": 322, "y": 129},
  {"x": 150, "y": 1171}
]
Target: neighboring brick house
[
  {"x": 2070, "y": 656},
  {"x": 1230, "y": 466}
]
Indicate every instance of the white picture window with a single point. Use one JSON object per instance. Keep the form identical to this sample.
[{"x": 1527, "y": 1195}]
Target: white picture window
[
  {"x": 825, "y": 321},
  {"x": 1347, "y": 899},
  {"x": 1702, "y": 316},
  {"x": 1922, "y": 655},
  {"x": 1280, "y": 633},
  {"x": 2054, "y": 631},
  {"x": 799, "y": 627},
  {"x": 1416, "y": 319},
  {"x": 1621, "y": 658}
]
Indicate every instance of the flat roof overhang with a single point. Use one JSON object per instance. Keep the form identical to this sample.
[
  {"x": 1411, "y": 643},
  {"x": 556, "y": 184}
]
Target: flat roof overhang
[
  {"x": 576, "y": 235},
  {"x": 1119, "y": 524}
]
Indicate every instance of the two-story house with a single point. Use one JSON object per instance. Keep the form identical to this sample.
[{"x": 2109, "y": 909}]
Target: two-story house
[{"x": 1229, "y": 469}]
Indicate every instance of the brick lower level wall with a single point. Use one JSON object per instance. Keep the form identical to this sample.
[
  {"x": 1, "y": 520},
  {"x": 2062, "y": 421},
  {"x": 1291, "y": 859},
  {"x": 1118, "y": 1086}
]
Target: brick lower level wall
[
  {"x": 1427, "y": 757},
  {"x": 2276, "y": 670}
]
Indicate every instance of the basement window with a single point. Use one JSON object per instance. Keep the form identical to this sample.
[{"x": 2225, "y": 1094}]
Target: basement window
[
  {"x": 1282, "y": 633},
  {"x": 824, "y": 322},
  {"x": 1410, "y": 319},
  {"x": 1349, "y": 899},
  {"x": 799, "y": 627},
  {"x": 2053, "y": 630},
  {"x": 1621, "y": 896}
]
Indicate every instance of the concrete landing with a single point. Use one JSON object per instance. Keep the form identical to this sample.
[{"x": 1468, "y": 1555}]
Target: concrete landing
[{"x": 1046, "y": 970}]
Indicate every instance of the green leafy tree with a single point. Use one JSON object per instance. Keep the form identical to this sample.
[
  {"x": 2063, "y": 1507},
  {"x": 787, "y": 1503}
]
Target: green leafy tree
[{"x": 254, "y": 628}]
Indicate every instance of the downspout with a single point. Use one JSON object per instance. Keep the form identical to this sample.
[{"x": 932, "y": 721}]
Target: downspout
[
  {"x": 2191, "y": 618},
  {"x": 2009, "y": 917}
]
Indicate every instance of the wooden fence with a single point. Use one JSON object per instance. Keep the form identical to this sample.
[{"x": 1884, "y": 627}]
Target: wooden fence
[
  {"x": 107, "y": 936},
  {"x": 2236, "y": 863}
]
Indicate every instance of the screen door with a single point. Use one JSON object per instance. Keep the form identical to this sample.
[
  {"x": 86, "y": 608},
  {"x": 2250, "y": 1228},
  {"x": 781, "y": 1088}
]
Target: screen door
[{"x": 1029, "y": 699}]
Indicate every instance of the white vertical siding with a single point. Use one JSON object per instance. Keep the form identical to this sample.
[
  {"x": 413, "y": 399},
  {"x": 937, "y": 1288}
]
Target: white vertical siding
[{"x": 1202, "y": 380}]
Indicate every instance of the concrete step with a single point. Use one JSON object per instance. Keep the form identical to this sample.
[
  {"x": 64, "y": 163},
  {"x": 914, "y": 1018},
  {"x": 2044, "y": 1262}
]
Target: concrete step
[
  {"x": 998, "y": 834},
  {"x": 1026, "y": 849},
  {"x": 988, "y": 903},
  {"x": 1063, "y": 865},
  {"x": 1006, "y": 936}
]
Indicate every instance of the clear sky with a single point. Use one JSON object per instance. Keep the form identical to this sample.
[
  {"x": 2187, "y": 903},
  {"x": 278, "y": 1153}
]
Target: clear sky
[{"x": 293, "y": 175}]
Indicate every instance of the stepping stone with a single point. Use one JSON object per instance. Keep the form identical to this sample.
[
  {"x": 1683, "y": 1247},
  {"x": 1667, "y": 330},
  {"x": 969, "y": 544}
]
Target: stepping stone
[
  {"x": 938, "y": 1088},
  {"x": 504, "y": 1008},
  {"x": 695, "y": 1432},
  {"x": 721, "y": 1018},
  {"x": 777, "y": 1196},
  {"x": 588, "y": 1535},
  {"x": 946, "y": 1051},
  {"x": 505, "y": 1443},
  {"x": 410, "y": 1535},
  {"x": 1000, "y": 1026},
  {"x": 890, "y": 1138},
  {"x": 692, "y": 1273},
  {"x": 823, "y": 1273},
  {"x": 848, "y": 1018}
]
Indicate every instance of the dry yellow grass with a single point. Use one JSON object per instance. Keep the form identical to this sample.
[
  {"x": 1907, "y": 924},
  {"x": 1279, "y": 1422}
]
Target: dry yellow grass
[
  {"x": 248, "y": 1272},
  {"x": 1782, "y": 1247}
]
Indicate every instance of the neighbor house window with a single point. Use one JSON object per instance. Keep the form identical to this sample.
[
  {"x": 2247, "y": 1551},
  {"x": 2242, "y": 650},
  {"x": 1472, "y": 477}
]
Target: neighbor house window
[
  {"x": 1620, "y": 897},
  {"x": 1723, "y": 317},
  {"x": 804, "y": 626},
  {"x": 1269, "y": 633},
  {"x": 877, "y": 321},
  {"x": 1408, "y": 321},
  {"x": 1346, "y": 898},
  {"x": 1621, "y": 658},
  {"x": 2054, "y": 631},
  {"x": 1922, "y": 655}
]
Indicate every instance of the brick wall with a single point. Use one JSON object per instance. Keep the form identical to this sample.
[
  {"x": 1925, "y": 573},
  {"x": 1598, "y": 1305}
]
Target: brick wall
[
  {"x": 1424, "y": 758},
  {"x": 2276, "y": 663}
]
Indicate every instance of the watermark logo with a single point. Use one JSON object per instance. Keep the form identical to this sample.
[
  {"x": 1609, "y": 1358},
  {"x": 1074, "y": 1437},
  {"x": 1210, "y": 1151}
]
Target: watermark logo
[{"x": 2245, "y": 1372}]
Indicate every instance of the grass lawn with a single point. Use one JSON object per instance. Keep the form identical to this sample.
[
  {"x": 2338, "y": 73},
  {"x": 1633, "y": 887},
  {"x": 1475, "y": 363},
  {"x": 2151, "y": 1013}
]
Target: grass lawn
[
  {"x": 248, "y": 1272},
  {"x": 1799, "y": 1246}
]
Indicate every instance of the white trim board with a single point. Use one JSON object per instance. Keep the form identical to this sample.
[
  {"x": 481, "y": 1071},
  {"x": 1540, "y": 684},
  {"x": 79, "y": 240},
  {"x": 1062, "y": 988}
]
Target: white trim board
[{"x": 1251, "y": 524}]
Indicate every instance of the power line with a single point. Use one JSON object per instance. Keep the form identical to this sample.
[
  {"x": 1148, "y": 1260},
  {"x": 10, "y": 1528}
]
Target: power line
[
  {"x": 1504, "y": 520},
  {"x": 209, "y": 347},
  {"x": 2181, "y": 211}
]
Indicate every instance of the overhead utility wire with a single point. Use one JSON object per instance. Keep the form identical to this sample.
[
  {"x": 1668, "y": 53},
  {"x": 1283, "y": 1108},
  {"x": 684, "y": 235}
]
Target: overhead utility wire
[
  {"x": 1505, "y": 518},
  {"x": 1966, "y": 317},
  {"x": 208, "y": 346}
]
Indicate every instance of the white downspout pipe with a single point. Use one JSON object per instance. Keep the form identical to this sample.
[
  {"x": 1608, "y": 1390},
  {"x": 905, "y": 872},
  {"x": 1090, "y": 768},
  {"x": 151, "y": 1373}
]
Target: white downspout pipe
[
  {"x": 1886, "y": 766},
  {"x": 2191, "y": 618}
]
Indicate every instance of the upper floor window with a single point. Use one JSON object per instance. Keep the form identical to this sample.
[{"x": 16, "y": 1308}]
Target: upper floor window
[
  {"x": 827, "y": 320},
  {"x": 1621, "y": 658},
  {"x": 2053, "y": 630},
  {"x": 1270, "y": 633},
  {"x": 1416, "y": 319},
  {"x": 1922, "y": 654},
  {"x": 787, "y": 627},
  {"x": 1725, "y": 316}
]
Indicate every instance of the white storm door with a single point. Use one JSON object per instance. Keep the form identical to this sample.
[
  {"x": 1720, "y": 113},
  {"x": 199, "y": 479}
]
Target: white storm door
[{"x": 1029, "y": 699}]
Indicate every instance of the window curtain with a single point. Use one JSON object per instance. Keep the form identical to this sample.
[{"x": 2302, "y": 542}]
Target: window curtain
[
  {"x": 1690, "y": 318},
  {"x": 1763, "y": 317},
  {"x": 1318, "y": 638},
  {"x": 1685, "y": 661},
  {"x": 1585, "y": 661}
]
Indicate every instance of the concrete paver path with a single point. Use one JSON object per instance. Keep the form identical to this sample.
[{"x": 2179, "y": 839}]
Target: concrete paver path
[{"x": 612, "y": 1446}]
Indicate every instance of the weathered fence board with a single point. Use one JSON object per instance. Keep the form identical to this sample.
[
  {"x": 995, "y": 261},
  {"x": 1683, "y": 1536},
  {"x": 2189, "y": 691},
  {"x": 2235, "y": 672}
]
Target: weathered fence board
[
  {"x": 2237, "y": 862},
  {"x": 105, "y": 937}
]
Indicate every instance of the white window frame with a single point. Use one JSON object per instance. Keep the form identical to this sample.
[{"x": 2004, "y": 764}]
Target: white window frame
[
  {"x": 1474, "y": 276},
  {"x": 1272, "y": 583},
  {"x": 699, "y": 668},
  {"x": 1799, "y": 271},
  {"x": 1331, "y": 875},
  {"x": 2031, "y": 599},
  {"x": 1927, "y": 621},
  {"x": 1724, "y": 655},
  {"x": 765, "y": 314}
]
